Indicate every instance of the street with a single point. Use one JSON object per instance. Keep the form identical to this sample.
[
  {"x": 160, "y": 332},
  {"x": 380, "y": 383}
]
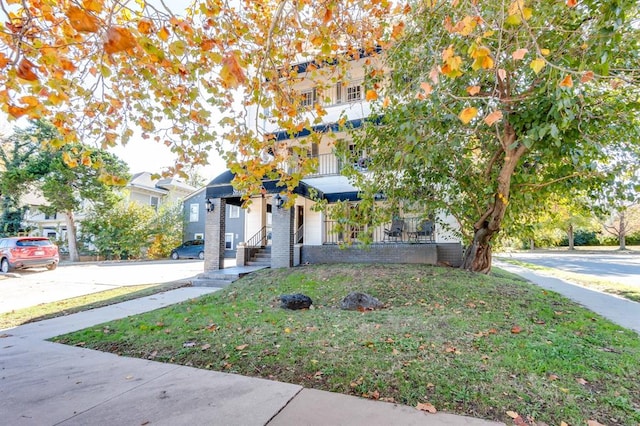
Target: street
[
  {"x": 616, "y": 267},
  {"x": 26, "y": 288}
]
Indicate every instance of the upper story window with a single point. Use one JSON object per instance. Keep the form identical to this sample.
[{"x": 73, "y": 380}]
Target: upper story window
[
  {"x": 234, "y": 212},
  {"x": 194, "y": 212},
  {"x": 354, "y": 93},
  {"x": 154, "y": 202},
  {"x": 309, "y": 98}
]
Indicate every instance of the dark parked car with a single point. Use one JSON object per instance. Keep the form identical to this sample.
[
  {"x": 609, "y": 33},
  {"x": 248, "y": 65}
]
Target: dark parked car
[
  {"x": 189, "y": 249},
  {"x": 27, "y": 252}
]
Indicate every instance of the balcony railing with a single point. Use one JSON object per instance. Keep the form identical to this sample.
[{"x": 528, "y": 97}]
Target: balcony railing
[
  {"x": 414, "y": 230},
  {"x": 332, "y": 165}
]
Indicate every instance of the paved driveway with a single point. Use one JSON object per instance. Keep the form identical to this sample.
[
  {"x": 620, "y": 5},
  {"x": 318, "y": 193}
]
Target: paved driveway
[
  {"x": 32, "y": 287},
  {"x": 617, "y": 267}
]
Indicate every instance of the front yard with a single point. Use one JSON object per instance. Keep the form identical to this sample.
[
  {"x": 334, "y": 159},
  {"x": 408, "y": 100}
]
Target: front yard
[{"x": 484, "y": 346}]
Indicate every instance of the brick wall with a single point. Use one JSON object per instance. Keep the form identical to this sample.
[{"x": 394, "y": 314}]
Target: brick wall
[
  {"x": 450, "y": 253},
  {"x": 281, "y": 237},
  {"x": 214, "y": 236},
  {"x": 378, "y": 253}
]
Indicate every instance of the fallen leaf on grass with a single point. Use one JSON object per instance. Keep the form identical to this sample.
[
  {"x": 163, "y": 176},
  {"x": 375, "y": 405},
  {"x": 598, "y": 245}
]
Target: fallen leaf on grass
[
  {"x": 553, "y": 377},
  {"x": 594, "y": 423},
  {"x": 581, "y": 381},
  {"x": 205, "y": 346},
  {"x": 425, "y": 406},
  {"x": 513, "y": 414},
  {"x": 516, "y": 329},
  {"x": 242, "y": 347}
]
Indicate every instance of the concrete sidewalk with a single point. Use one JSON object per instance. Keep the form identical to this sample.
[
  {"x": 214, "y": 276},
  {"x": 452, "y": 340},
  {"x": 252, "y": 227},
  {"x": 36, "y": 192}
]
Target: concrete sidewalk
[
  {"x": 623, "y": 312},
  {"x": 44, "y": 383}
]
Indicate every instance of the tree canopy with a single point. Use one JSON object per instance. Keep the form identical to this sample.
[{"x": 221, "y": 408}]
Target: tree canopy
[{"x": 481, "y": 105}]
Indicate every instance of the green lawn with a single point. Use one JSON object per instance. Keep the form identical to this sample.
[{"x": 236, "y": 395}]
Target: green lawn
[{"x": 484, "y": 346}]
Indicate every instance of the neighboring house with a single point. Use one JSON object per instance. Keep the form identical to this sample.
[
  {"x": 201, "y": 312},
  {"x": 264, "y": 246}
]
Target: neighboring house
[
  {"x": 195, "y": 209},
  {"x": 53, "y": 226},
  {"x": 144, "y": 189},
  {"x": 303, "y": 234}
]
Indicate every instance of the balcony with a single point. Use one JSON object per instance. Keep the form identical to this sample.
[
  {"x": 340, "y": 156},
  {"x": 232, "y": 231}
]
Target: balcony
[{"x": 331, "y": 165}]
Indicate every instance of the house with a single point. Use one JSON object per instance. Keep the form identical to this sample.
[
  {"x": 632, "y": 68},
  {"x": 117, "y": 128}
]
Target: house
[
  {"x": 146, "y": 190},
  {"x": 195, "y": 210},
  {"x": 303, "y": 234}
]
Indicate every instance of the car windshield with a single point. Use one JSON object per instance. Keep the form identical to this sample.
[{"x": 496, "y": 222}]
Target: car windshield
[{"x": 33, "y": 243}]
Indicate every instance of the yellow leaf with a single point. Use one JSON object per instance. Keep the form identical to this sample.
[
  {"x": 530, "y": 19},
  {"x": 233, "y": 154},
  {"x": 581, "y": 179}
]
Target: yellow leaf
[
  {"x": 545, "y": 52},
  {"x": 29, "y": 100},
  {"x": 468, "y": 114},
  {"x": 513, "y": 414},
  {"x": 493, "y": 117},
  {"x": 526, "y": 13},
  {"x": 426, "y": 87},
  {"x": 232, "y": 74},
  {"x": 93, "y": 5},
  {"x": 567, "y": 81},
  {"x": 537, "y": 65},
  {"x": 473, "y": 90},
  {"x": 519, "y": 54},
  {"x": 513, "y": 20},
  {"x": 371, "y": 95},
  {"x": 287, "y": 330},
  {"x": 163, "y": 34},
  {"x": 425, "y": 406}
]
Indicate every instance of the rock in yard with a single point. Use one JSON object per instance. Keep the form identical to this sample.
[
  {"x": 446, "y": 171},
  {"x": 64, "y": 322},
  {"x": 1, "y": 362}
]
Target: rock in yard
[
  {"x": 295, "y": 301},
  {"x": 360, "y": 301}
]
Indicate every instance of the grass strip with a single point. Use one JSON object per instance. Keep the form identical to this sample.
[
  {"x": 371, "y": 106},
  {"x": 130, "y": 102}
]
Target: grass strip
[
  {"x": 478, "y": 345},
  {"x": 73, "y": 305},
  {"x": 589, "y": 281}
]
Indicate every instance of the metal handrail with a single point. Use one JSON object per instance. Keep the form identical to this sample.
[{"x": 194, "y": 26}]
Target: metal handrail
[
  {"x": 299, "y": 235},
  {"x": 259, "y": 239}
]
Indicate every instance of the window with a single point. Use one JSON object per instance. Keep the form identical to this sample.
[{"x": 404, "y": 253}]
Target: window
[
  {"x": 198, "y": 236},
  {"x": 154, "y": 202},
  {"x": 234, "y": 212},
  {"x": 354, "y": 93},
  {"x": 309, "y": 98},
  {"x": 194, "y": 212},
  {"x": 228, "y": 241},
  {"x": 48, "y": 216}
]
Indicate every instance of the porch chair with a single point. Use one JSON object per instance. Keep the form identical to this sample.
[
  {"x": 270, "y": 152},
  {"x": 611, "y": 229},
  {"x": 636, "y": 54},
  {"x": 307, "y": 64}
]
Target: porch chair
[
  {"x": 425, "y": 230},
  {"x": 395, "y": 232}
]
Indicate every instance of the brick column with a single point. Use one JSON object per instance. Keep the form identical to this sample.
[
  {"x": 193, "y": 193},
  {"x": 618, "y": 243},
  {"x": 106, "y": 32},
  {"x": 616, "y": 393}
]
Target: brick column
[
  {"x": 214, "y": 236},
  {"x": 281, "y": 236}
]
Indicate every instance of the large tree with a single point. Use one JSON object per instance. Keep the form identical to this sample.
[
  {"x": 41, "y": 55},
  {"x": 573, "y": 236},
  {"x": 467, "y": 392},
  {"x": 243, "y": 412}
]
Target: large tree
[{"x": 511, "y": 95}]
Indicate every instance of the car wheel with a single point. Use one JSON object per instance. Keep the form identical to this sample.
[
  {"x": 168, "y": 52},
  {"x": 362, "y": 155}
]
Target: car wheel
[
  {"x": 4, "y": 266},
  {"x": 175, "y": 256},
  {"x": 201, "y": 255},
  {"x": 52, "y": 266}
]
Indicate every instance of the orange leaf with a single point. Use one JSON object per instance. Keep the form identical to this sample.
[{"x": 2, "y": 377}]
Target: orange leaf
[
  {"x": 163, "y": 34},
  {"x": 371, "y": 95},
  {"x": 145, "y": 26},
  {"x": 519, "y": 54},
  {"x": 398, "y": 30},
  {"x": 82, "y": 21},
  {"x": 328, "y": 15},
  {"x": 567, "y": 81},
  {"x": 427, "y": 88},
  {"x": 425, "y": 406},
  {"x": 3, "y": 60},
  {"x": 572, "y": 3},
  {"x": 516, "y": 329},
  {"x": 386, "y": 102},
  {"x": 468, "y": 114},
  {"x": 118, "y": 39},
  {"x": 473, "y": 90},
  {"x": 25, "y": 71},
  {"x": 493, "y": 117},
  {"x": 232, "y": 73},
  {"x": 16, "y": 112},
  {"x": 587, "y": 77}
]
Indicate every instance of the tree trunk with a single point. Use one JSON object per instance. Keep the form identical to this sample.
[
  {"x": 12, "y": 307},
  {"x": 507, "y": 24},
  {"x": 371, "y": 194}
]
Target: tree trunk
[
  {"x": 477, "y": 257},
  {"x": 71, "y": 236},
  {"x": 532, "y": 244},
  {"x": 570, "y": 236},
  {"x": 623, "y": 231}
]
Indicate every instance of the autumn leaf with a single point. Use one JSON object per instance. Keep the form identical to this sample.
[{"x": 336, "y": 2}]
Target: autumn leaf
[
  {"x": 242, "y": 347},
  {"x": 516, "y": 329},
  {"x": 587, "y": 77},
  {"x": 594, "y": 423},
  {"x": 4, "y": 61},
  {"x": 163, "y": 34},
  {"x": 427, "y": 88},
  {"x": 118, "y": 39},
  {"x": 25, "y": 70},
  {"x": 572, "y": 3},
  {"x": 537, "y": 65},
  {"x": 433, "y": 75},
  {"x": 16, "y": 112},
  {"x": 145, "y": 26},
  {"x": 493, "y": 117},
  {"x": 519, "y": 54},
  {"x": 371, "y": 95},
  {"x": 205, "y": 346},
  {"x": 82, "y": 21},
  {"x": 232, "y": 73},
  {"x": 425, "y": 406},
  {"x": 581, "y": 381},
  {"x": 398, "y": 30},
  {"x": 386, "y": 102},
  {"x": 502, "y": 74},
  {"x": 473, "y": 90},
  {"x": 567, "y": 81},
  {"x": 513, "y": 414},
  {"x": 468, "y": 114}
]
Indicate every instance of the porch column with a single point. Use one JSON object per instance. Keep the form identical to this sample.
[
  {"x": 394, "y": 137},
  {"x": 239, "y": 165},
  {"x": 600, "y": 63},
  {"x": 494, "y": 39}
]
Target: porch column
[
  {"x": 214, "y": 241},
  {"x": 281, "y": 236}
]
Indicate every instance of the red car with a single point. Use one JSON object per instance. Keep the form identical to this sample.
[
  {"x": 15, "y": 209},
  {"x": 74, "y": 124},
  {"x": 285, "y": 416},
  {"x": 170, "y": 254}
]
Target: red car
[{"x": 27, "y": 252}]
